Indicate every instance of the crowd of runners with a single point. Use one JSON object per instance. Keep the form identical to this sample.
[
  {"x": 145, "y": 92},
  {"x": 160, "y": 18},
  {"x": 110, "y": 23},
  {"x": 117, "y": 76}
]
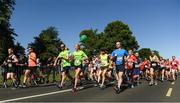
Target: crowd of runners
[{"x": 119, "y": 67}]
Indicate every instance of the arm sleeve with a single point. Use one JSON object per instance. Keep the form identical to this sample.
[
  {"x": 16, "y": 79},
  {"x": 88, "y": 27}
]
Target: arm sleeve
[{"x": 126, "y": 53}]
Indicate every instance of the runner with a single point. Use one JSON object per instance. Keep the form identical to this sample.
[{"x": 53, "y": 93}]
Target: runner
[
  {"x": 130, "y": 60},
  {"x": 31, "y": 67},
  {"x": 96, "y": 63},
  {"x": 91, "y": 70},
  {"x": 85, "y": 72},
  {"x": 78, "y": 56},
  {"x": 21, "y": 65},
  {"x": 11, "y": 62},
  {"x": 4, "y": 73},
  {"x": 162, "y": 68},
  {"x": 104, "y": 66},
  {"x": 168, "y": 69},
  {"x": 154, "y": 68},
  {"x": 136, "y": 70},
  {"x": 146, "y": 68},
  {"x": 119, "y": 55},
  {"x": 174, "y": 67},
  {"x": 49, "y": 68},
  {"x": 110, "y": 70},
  {"x": 64, "y": 55}
]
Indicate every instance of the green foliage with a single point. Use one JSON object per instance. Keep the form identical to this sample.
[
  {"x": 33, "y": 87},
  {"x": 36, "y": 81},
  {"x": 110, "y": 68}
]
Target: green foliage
[
  {"x": 6, "y": 32},
  {"x": 6, "y": 8},
  {"x": 46, "y": 44},
  {"x": 18, "y": 49},
  {"x": 90, "y": 46},
  {"x": 113, "y": 32},
  {"x": 118, "y": 31},
  {"x": 146, "y": 52}
]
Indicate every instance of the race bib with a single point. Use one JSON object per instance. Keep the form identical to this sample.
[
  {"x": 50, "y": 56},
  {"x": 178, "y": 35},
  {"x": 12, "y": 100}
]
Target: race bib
[
  {"x": 137, "y": 66},
  {"x": 119, "y": 59},
  {"x": 77, "y": 62},
  {"x": 10, "y": 65},
  {"x": 173, "y": 63},
  {"x": 153, "y": 64},
  {"x": 130, "y": 63},
  {"x": 146, "y": 66}
]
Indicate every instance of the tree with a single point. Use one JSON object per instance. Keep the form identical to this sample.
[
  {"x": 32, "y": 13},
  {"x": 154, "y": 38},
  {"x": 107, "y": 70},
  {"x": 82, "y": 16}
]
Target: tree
[
  {"x": 146, "y": 52},
  {"x": 6, "y": 8},
  {"x": 113, "y": 32},
  {"x": 46, "y": 44},
  {"x": 118, "y": 31},
  {"x": 20, "y": 50},
  {"x": 6, "y": 32},
  {"x": 90, "y": 46}
]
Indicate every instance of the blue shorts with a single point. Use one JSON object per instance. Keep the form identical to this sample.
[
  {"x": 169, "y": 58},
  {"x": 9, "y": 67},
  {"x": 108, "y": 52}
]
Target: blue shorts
[
  {"x": 120, "y": 68},
  {"x": 136, "y": 72}
]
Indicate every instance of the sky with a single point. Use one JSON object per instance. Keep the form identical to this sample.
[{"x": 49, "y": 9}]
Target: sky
[{"x": 154, "y": 23}]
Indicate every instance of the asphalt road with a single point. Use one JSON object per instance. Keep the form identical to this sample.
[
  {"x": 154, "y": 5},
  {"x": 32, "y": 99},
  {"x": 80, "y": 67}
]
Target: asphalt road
[{"x": 163, "y": 92}]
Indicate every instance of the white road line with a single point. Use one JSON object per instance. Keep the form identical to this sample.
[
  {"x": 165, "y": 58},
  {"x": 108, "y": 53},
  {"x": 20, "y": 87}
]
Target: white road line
[
  {"x": 39, "y": 95},
  {"x": 169, "y": 92},
  {"x": 173, "y": 83}
]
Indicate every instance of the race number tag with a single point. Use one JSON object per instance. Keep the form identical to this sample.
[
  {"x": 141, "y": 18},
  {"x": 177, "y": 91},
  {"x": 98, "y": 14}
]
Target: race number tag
[
  {"x": 173, "y": 63},
  {"x": 119, "y": 59},
  {"x": 153, "y": 64},
  {"x": 146, "y": 66},
  {"x": 167, "y": 66},
  {"x": 10, "y": 65},
  {"x": 77, "y": 62},
  {"x": 137, "y": 66}
]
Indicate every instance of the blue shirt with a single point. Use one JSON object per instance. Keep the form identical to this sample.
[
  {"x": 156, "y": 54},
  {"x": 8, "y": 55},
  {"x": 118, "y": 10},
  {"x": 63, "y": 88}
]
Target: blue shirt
[{"x": 120, "y": 55}]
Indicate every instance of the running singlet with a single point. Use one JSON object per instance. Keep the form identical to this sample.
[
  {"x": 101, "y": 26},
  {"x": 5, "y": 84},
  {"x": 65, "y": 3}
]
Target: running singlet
[
  {"x": 104, "y": 60},
  {"x": 137, "y": 63},
  {"x": 174, "y": 64},
  {"x": 120, "y": 56},
  {"x": 168, "y": 65},
  {"x": 64, "y": 54},
  {"x": 154, "y": 61},
  {"x": 154, "y": 58},
  {"x": 130, "y": 61},
  {"x": 32, "y": 62},
  {"x": 162, "y": 64},
  {"x": 78, "y": 57},
  {"x": 145, "y": 65},
  {"x": 9, "y": 60}
]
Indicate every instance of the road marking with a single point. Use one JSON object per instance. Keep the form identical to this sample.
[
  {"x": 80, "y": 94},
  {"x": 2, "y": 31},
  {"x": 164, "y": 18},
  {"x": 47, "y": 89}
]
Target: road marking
[
  {"x": 169, "y": 92},
  {"x": 173, "y": 83},
  {"x": 39, "y": 95}
]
